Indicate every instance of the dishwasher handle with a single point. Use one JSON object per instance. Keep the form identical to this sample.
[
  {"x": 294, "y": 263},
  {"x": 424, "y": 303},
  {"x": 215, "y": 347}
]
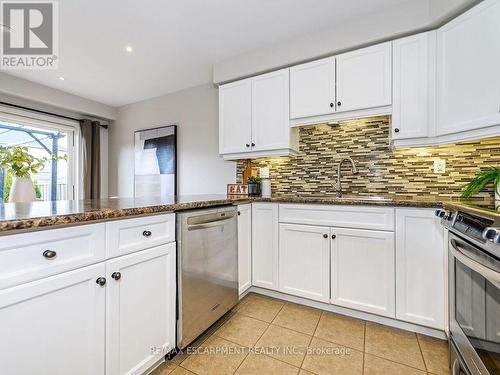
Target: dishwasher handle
[{"x": 209, "y": 224}]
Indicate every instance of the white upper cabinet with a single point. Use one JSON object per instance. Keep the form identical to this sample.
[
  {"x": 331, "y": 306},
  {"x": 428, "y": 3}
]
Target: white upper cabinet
[
  {"x": 235, "y": 117},
  {"x": 254, "y": 117},
  {"x": 270, "y": 111},
  {"x": 413, "y": 114},
  {"x": 468, "y": 69},
  {"x": 364, "y": 78},
  {"x": 312, "y": 88}
]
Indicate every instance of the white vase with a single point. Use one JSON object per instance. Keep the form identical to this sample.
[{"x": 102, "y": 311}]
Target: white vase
[{"x": 22, "y": 190}]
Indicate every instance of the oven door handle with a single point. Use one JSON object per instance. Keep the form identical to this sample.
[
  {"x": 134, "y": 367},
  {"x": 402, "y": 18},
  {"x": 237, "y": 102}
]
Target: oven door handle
[{"x": 458, "y": 252}]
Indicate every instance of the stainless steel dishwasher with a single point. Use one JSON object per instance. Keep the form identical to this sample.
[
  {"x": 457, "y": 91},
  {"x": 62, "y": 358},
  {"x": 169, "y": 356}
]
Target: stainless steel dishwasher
[{"x": 207, "y": 269}]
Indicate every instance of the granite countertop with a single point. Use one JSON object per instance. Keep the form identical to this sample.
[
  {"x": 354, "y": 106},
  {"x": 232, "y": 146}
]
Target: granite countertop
[{"x": 16, "y": 217}]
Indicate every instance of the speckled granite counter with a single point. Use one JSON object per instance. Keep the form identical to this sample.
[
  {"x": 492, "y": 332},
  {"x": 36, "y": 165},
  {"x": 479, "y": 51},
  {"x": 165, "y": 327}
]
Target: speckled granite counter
[{"x": 40, "y": 215}]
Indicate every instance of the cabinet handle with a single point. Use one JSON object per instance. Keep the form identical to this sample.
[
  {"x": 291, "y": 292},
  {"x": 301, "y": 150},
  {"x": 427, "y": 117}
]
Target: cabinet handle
[
  {"x": 331, "y": 105},
  {"x": 49, "y": 254},
  {"x": 396, "y": 130},
  {"x": 101, "y": 281},
  {"x": 116, "y": 275},
  {"x": 339, "y": 103},
  {"x": 248, "y": 145},
  {"x": 325, "y": 235},
  {"x": 253, "y": 144},
  {"x": 239, "y": 213},
  {"x": 146, "y": 233},
  {"x": 334, "y": 236}
]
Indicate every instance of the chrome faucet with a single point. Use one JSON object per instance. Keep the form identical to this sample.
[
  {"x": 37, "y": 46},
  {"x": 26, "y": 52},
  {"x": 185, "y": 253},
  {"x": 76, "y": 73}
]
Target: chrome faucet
[{"x": 354, "y": 171}]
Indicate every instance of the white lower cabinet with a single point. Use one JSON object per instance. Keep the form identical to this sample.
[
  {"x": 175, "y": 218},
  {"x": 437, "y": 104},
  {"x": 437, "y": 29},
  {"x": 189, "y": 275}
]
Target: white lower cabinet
[
  {"x": 55, "y": 325},
  {"x": 304, "y": 261},
  {"x": 265, "y": 245},
  {"x": 362, "y": 270},
  {"x": 140, "y": 310},
  {"x": 244, "y": 247},
  {"x": 420, "y": 268}
]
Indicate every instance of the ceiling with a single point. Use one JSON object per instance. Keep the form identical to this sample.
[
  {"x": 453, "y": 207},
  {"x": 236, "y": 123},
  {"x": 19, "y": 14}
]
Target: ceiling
[{"x": 175, "y": 42}]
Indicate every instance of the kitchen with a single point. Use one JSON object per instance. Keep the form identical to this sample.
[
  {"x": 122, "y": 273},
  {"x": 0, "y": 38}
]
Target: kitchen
[{"x": 285, "y": 202}]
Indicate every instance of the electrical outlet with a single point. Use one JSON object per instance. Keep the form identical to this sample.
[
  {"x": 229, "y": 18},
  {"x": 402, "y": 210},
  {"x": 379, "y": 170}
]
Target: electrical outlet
[{"x": 439, "y": 165}]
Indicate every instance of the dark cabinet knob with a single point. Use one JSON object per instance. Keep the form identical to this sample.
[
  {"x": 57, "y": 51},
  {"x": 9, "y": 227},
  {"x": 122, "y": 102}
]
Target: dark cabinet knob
[
  {"x": 248, "y": 145},
  {"x": 239, "y": 213},
  {"x": 325, "y": 235},
  {"x": 339, "y": 103},
  {"x": 101, "y": 281},
  {"x": 49, "y": 254},
  {"x": 146, "y": 233},
  {"x": 116, "y": 275},
  {"x": 331, "y": 105},
  {"x": 253, "y": 144},
  {"x": 396, "y": 130},
  {"x": 333, "y": 236}
]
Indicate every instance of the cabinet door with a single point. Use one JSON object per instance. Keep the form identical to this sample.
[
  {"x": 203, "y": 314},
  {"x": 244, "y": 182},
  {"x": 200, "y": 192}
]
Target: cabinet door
[
  {"x": 54, "y": 325},
  {"x": 468, "y": 68},
  {"x": 244, "y": 247},
  {"x": 235, "y": 117},
  {"x": 413, "y": 63},
  {"x": 270, "y": 111},
  {"x": 140, "y": 309},
  {"x": 265, "y": 245},
  {"x": 420, "y": 265},
  {"x": 304, "y": 261},
  {"x": 363, "y": 270},
  {"x": 364, "y": 78},
  {"x": 312, "y": 88}
]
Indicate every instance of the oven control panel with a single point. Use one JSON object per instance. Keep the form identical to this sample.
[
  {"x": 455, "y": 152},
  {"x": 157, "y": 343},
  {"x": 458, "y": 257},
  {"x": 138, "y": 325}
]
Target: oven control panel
[{"x": 474, "y": 226}]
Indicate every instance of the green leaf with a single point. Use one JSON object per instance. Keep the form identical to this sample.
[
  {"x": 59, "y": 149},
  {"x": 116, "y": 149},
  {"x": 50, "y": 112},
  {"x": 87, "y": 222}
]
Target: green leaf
[{"x": 482, "y": 179}]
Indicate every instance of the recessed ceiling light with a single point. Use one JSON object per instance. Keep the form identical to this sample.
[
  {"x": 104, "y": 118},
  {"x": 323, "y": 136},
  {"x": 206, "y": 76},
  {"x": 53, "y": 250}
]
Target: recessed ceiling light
[
  {"x": 129, "y": 49},
  {"x": 61, "y": 78}
]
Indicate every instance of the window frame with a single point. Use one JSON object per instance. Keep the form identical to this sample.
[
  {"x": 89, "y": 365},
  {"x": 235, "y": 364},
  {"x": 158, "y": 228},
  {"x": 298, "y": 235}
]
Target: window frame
[{"x": 72, "y": 127}]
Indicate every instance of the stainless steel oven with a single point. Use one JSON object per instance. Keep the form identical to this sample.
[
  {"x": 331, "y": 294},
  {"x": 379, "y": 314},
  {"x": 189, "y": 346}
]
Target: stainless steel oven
[{"x": 474, "y": 291}]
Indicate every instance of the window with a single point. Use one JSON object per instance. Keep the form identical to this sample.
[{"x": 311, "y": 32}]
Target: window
[{"x": 44, "y": 136}]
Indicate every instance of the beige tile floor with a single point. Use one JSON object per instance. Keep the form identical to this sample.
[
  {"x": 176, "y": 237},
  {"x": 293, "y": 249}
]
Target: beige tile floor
[{"x": 293, "y": 339}]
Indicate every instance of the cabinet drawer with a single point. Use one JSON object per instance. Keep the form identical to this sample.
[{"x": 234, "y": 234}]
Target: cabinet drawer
[
  {"x": 362, "y": 217},
  {"x": 30, "y": 256},
  {"x": 131, "y": 235}
]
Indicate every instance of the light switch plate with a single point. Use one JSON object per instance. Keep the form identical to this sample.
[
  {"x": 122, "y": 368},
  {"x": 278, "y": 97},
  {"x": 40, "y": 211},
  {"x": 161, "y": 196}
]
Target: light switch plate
[{"x": 439, "y": 165}]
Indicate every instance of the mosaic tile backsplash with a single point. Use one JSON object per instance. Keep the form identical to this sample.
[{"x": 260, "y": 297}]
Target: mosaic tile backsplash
[{"x": 382, "y": 170}]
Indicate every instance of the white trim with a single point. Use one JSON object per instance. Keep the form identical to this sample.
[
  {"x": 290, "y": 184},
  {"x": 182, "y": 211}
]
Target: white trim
[
  {"x": 337, "y": 116},
  {"x": 12, "y": 114},
  {"x": 352, "y": 313},
  {"x": 260, "y": 154},
  {"x": 492, "y": 131}
]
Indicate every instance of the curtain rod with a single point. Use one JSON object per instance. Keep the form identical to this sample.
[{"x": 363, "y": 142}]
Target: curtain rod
[{"x": 46, "y": 113}]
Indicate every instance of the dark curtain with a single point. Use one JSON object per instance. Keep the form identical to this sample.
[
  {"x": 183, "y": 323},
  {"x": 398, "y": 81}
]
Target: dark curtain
[{"x": 91, "y": 145}]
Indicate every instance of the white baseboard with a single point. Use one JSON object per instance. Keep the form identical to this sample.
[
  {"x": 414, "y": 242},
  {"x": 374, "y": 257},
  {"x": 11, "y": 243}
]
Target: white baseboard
[{"x": 349, "y": 312}]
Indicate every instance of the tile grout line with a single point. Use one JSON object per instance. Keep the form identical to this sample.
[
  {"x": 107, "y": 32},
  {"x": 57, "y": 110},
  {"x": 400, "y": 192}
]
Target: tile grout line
[
  {"x": 310, "y": 341},
  {"x": 421, "y": 353},
  {"x": 364, "y": 347}
]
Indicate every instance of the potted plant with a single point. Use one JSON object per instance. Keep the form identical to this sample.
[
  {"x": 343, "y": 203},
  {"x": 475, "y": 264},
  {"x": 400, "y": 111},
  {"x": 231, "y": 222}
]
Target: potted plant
[
  {"x": 254, "y": 185},
  {"x": 483, "y": 178},
  {"x": 21, "y": 165}
]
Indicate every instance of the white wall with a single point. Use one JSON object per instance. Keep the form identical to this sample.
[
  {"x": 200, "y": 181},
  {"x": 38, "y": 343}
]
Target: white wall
[
  {"x": 406, "y": 18},
  {"x": 30, "y": 94},
  {"x": 200, "y": 168}
]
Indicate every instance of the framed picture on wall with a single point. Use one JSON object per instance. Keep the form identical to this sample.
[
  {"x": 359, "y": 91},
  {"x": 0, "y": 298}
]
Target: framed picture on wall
[{"x": 155, "y": 154}]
